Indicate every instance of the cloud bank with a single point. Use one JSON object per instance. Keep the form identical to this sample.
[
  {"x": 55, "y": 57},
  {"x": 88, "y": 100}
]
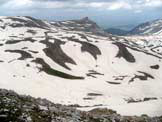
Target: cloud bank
[{"x": 81, "y": 4}]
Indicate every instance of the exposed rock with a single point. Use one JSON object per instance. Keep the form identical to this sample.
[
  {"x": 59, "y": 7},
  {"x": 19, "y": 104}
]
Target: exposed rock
[
  {"x": 84, "y": 24},
  {"x": 55, "y": 52},
  {"x": 115, "y": 83},
  {"x": 155, "y": 67},
  {"x": 87, "y": 47},
  {"x": 21, "y": 108},
  {"x": 124, "y": 53},
  {"x": 145, "y": 76},
  {"x": 24, "y": 54}
]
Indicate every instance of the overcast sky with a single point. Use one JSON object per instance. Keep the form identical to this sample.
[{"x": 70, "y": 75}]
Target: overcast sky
[{"x": 104, "y": 12}]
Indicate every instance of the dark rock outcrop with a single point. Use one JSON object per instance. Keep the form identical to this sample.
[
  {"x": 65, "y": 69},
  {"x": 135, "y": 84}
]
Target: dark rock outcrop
[
  {"x": 124, "y": 53},
  {"x": 21, "y": 108}
]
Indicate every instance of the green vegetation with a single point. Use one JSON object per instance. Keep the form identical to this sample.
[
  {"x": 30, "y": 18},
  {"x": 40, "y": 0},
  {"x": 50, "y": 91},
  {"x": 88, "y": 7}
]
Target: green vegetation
[
  {"x": 54, "y": 72},
  {"x": 47, "y": 69}
]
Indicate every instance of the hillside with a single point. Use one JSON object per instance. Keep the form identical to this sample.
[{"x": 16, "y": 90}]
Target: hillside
[
  {"x": 75, "y": 66},
  {"x": 148, "y": 28}
]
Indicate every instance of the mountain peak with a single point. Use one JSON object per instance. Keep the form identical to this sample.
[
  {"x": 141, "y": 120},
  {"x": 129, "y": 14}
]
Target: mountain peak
[
  {"x": 85, "y": 19},
  {"x": 85, "y": 25}
]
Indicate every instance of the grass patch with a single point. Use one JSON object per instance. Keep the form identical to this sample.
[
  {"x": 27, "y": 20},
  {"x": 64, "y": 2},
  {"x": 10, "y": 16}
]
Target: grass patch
[
  {"x": 54, "y": 72},
  {"x": 50, "y": 71}
]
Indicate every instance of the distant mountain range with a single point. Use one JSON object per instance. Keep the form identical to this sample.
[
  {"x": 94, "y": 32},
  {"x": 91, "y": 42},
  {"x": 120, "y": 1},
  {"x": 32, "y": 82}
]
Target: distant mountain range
[
  {"x": 116, "y": 31},
  {"x": 147, "y": 28}
]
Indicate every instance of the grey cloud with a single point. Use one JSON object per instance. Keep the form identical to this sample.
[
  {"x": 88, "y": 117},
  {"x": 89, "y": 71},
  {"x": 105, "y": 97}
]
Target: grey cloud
[
  {"x": 76, "y": 0},
  {"x": 52, "y": 0},
  {"x": 3, "y": 1},
  {"x": 134, "y": 5}
]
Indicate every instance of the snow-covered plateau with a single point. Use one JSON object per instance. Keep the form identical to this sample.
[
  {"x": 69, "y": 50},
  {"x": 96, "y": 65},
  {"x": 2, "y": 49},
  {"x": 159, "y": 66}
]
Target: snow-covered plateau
[{"x": 75, "y": 62}]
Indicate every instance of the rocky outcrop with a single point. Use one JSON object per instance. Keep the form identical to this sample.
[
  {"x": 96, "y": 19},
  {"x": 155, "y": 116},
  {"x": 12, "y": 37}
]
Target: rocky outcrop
[
  {"x": 84, "y": 24},
  {"x": 20, "y": 108}
]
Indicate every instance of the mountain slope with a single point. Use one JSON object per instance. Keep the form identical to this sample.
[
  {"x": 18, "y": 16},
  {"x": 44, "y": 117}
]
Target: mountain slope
[
  {"x": 148, "y": 28},
  {"x": 79, "y": 67}
]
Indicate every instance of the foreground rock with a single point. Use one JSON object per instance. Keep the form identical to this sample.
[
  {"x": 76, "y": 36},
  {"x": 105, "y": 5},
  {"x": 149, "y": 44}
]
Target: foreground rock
[{"x": 20, "y": 108}]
